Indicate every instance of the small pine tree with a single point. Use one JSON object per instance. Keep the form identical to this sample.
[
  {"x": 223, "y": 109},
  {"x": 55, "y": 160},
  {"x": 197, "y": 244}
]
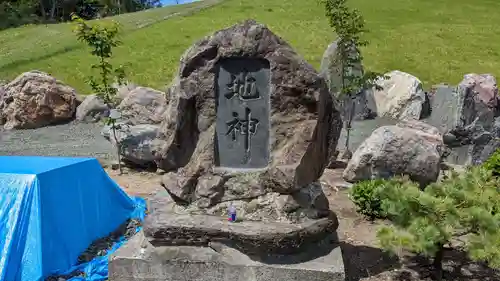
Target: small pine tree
[
  {"x": 102, "y": 40},
  {"x": 461, "y": 207},
  {"x": 349, "y": 26}
]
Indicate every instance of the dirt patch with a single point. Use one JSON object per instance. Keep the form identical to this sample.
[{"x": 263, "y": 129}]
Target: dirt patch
[
  {"x": 141, "y": 184},
  {"x": 363, "y": 259}
]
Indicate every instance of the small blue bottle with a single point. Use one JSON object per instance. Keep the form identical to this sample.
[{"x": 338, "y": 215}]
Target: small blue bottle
[{"x": 231, "y": 213}]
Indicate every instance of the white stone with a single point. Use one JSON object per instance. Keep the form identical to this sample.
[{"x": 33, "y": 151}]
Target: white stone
[{"x": 402, "y": 96}]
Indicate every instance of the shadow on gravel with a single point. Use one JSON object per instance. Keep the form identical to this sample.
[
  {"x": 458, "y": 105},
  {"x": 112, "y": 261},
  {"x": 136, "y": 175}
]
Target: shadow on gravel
[
  {"x": 55, "y": 124},
  {"x": 457, "y": 267},
  {"x": 364, "y": 261},
  {"x": 62, "y": 122},
  {"x": 148, "y": 167}
]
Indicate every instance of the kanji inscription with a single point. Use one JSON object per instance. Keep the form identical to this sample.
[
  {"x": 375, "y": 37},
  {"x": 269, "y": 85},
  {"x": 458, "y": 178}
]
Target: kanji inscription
[
  {"x": 242, "y": 128},
  {"x": 242, "y": 86}
]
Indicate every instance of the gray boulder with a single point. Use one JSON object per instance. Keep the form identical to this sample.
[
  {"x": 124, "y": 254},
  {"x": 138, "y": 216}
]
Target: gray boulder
[
  {"x": 331, "y": 71},
  {"x": 495, "y": 130},
  {"x": 123, "y": 90},
  {"x": 479, "y": 93},
  {"x": 410, "y": 148},
  {"x": 143, "y": 106},
  {"x": 135, "y": 142},
  {"x": 473, "y": 103},
  {"x": 491, "y": 147},
  {"x": 479, "y": 96},
  {"x": 92, "y": 109},
  {"x": 466, "y": 116},
  {"x": 2, "y": 89},
  {"x": 446, "y": 106},
  {"x": 490, "y": 143},
  {"x": 361, "y": 130}
]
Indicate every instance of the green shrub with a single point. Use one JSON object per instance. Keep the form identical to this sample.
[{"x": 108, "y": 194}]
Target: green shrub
[
  {"x": 367, "y": 198},
  {"x": 493, "y": 164}
]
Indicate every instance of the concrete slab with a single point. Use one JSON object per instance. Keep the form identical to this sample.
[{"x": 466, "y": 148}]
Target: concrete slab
[{"x": 138, "y": 260}]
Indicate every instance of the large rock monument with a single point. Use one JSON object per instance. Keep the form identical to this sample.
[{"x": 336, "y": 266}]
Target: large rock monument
[{"x": 251, "y": 125}]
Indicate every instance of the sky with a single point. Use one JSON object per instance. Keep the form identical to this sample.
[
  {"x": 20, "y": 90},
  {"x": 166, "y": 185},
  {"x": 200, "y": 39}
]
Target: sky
[{"x": 174, "y": 2}]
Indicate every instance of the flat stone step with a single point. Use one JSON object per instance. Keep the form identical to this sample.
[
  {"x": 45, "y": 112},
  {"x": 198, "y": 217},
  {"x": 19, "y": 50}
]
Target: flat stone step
[
  {"x": 138, "y": 260},
  {"x": 164, "y": 228}
]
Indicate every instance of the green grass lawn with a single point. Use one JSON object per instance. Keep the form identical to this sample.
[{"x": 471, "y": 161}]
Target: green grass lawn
[{"x": 438, "y": 41}]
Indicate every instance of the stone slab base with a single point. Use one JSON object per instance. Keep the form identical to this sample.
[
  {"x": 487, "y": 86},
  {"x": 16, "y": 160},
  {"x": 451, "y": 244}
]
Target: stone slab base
[
  {"x": 138, "y": 260},
  {"x": 165, "y": 228}
]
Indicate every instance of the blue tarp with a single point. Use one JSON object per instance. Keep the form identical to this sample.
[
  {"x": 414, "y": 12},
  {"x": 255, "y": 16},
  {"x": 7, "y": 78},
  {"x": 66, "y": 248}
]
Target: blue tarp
[{"x": 51, "y": 210}]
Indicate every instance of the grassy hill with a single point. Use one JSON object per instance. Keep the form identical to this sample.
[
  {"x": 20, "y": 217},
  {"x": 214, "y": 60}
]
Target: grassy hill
[{"x": 438, "y": 41}]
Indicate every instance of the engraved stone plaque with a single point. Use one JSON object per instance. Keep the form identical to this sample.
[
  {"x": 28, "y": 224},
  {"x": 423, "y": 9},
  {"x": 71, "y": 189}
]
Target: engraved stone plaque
[{"x": 243, "y": 114}]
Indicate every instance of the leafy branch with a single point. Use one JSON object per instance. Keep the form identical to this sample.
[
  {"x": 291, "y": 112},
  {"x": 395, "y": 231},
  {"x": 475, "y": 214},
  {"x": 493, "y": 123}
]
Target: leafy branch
[{"x": 101, "y": 40}]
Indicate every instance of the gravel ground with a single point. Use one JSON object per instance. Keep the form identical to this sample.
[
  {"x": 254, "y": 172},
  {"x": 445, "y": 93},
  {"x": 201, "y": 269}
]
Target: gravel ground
[{"x": 72, "y": 139}]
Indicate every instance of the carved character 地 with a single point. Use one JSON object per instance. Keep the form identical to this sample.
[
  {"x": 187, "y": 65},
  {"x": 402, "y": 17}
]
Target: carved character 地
[{"x": 243, "y": 86}]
